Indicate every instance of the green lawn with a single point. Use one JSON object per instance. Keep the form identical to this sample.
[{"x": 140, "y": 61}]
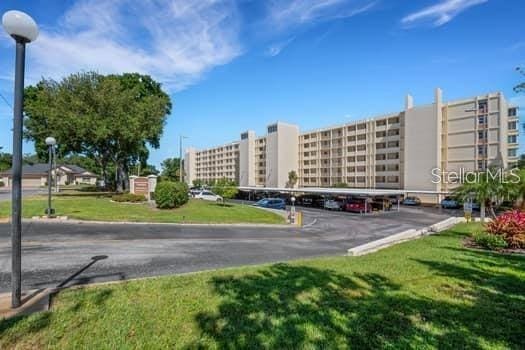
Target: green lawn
[
  {"x": 426, "y": 294},
  {"x": 102, "y": 209}
]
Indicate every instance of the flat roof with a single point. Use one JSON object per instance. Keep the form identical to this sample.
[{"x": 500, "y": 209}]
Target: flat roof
[{"x": 340, "y": 191}]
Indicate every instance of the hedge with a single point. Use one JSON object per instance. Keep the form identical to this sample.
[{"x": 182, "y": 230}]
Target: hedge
[{"x": 169, "y": 195}]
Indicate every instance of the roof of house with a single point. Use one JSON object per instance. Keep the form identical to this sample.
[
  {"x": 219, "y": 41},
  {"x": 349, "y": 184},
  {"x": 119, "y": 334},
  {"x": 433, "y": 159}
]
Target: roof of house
[{"x": 42, "y": 169}]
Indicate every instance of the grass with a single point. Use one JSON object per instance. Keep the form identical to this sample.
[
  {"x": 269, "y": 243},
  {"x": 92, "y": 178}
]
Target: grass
[
  {"x": 431, "y": 293},
  {"x": 102, "y": 209}
]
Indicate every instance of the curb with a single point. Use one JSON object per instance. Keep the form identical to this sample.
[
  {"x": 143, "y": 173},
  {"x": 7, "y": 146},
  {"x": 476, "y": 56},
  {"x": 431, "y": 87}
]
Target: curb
[
  {"x": 36, "y": 301},
  {"x": 403, "y": 237}
]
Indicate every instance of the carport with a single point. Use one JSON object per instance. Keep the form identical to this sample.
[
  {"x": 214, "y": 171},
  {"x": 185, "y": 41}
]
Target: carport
[{"x": 348, "y": 192}]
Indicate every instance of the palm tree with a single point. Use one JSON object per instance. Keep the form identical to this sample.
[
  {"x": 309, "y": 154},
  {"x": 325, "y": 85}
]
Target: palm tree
[
  {"x": 485, "y": 188},
  {"x": 292, "y": 179}
]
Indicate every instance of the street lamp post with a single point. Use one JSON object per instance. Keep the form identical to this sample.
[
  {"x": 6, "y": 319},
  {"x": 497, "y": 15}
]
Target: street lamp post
[
  {"x": 50, "y": 142},
  {"x": 180, "y": 158},
  {"x": 23, "y": 29}
]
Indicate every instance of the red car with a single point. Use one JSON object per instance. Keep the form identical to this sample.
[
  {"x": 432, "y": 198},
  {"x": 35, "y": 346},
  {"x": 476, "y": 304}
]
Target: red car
[{"x": 357, "y": 206}]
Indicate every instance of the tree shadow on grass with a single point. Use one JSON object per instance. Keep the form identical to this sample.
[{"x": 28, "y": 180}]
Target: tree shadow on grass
[
  {"x": 288, "y": 306},
  {"x": 16, "y": 329}
]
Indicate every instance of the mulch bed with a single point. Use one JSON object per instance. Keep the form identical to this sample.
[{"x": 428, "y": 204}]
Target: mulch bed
[{"x": 471, "y": 244}]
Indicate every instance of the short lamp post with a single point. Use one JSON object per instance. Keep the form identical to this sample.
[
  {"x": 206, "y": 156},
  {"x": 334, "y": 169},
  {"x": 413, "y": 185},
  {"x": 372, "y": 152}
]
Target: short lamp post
[
  {"x": 23, "y": 29},
  {"x": 50, "y": 142},
  {"x": 292, "y": 210}
]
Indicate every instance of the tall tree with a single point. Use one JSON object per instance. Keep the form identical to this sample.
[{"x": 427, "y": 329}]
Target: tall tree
[
  {"x": 292, "y": 179},
  {"x": 521, "y": 86},
  {"x": 171, "y": 169},
  {"x": 111, "y": 119},
  {"x": 6, "y": 160}
]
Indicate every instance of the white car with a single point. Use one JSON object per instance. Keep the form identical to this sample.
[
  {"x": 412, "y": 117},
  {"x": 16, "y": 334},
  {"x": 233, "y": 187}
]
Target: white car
[
  {"x": 208, "y": 196},
  {"x": 331, "y": 204}
]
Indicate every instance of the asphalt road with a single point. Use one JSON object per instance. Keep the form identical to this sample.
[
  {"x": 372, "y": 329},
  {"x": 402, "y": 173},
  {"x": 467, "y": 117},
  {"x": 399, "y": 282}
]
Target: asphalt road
[{"x": 53, "y": 252}]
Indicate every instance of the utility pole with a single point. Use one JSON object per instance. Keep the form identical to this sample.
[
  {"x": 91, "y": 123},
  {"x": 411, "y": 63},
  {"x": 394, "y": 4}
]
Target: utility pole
[{"x": 181, "y": 170}]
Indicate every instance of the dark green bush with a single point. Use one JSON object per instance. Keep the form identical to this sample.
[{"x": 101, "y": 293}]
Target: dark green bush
[
  {"x": 489, "y": 240},
  {"x": 2, "y": 184},
  {"x": 129, "y": 197},
  {"x": 170, "y": 194}
]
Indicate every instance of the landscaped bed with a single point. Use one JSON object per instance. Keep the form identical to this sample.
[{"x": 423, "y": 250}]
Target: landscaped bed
[
  {"x": 430, "y": 293},
  {"x": 103, "y": 209}
]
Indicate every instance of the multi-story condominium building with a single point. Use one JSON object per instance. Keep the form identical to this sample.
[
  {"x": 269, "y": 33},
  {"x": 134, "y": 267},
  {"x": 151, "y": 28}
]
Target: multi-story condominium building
[{"x": 401, "y": 150}]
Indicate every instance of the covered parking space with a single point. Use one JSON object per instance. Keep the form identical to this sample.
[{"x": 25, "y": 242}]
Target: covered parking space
[{"x": 369, "y": 196}]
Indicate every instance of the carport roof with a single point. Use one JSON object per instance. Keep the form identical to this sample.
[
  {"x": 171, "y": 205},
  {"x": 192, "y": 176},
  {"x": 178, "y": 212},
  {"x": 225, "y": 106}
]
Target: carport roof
[{"x": 324, "y": 190}]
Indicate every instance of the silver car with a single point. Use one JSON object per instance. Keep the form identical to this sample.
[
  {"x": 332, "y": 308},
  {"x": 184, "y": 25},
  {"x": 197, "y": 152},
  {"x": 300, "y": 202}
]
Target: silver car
[{"x": 331, "y": 204}]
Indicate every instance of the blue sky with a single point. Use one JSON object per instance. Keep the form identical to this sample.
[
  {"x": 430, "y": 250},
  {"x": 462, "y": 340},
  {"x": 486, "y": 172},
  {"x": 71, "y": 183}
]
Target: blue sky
[{"x": 232, "y": 65}]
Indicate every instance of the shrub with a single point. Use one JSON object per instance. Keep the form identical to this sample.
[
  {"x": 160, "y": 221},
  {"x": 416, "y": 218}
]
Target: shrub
[
  {"x": 511, "y": 227},
  {"x": 129, "y": 197},
  {"x": 170, "y": 194},
  {"x": 489, "y": 240},
  {"x": 2, "y": 184}
]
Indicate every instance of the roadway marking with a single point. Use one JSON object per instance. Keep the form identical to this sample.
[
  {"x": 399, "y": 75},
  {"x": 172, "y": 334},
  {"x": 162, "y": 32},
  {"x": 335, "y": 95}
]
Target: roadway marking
[{"x": 311, "y": 224}]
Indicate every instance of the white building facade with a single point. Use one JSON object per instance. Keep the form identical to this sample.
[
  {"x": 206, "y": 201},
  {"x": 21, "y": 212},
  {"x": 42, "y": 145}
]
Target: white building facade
[{"x": 400, "y": 150}]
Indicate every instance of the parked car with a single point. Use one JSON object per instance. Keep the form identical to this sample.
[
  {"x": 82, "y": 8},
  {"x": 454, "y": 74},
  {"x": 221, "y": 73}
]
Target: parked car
[
  {"x": 311, "y": 201},
  {"x": 332, "y": 204},
  {"x": 450, "y": 203},
  {"x": 412, "y": 201},
  {"x": 357, "y": 206},
  {"x": 272, "y": 203},
  {"x": 194, "y": 192},
  {"x": 208, "y": 196}
]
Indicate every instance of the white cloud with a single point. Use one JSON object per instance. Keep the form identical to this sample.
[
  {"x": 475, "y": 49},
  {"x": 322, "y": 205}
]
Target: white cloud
[
  {"x": 276, "y": 48},
  {"x": 284, "y": 14},
  {"x": 441, "y": 13},
  {"x": 176, "y": 41}
]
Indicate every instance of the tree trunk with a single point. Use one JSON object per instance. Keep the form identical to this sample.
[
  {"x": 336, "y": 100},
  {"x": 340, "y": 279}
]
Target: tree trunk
[
  {"x": 482, "y": 211},
  {"x": 120, "y": 176}
]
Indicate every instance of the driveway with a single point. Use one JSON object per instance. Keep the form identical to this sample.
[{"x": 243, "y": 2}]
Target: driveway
[
  {"x": 52, "y": 252},
  {"x": 5, "y": 194}
]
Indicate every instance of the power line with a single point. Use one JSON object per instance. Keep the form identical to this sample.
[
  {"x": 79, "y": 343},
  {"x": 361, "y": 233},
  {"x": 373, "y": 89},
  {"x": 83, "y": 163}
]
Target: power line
[{"x": 6, "y": 101}]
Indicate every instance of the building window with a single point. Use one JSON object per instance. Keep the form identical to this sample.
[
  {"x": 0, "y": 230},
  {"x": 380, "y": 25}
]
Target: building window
[
  {"x": 513, "y": 112},
  {"x": 244, "y": 136},
  {"x": 482, "y": 150},
  {"x": 483, "y": 106},
  {"x": 513, "y": 139},
  {"x": 482, "y": 119},
  {"x": 394, "y": 120},
  {"x": 482, "y": 135},
  {"x": 512, "y": 152},
  {"x": 393, "y": 179},
  {"x": 512, "y": 125},
  {"x": 380, "y": 133},
  {"x": 393, "y": 167},
  {"x": 393, "y": 132},
  {"x": 272, "y": 128},
  {"x": 481, "y": 165},
  {"x": 393, "y": 155},
  {"x": 393, "y": 144}
]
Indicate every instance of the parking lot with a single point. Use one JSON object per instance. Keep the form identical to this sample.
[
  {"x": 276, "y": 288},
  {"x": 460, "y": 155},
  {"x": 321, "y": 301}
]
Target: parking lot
[{"x": 53, "y": 252}]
